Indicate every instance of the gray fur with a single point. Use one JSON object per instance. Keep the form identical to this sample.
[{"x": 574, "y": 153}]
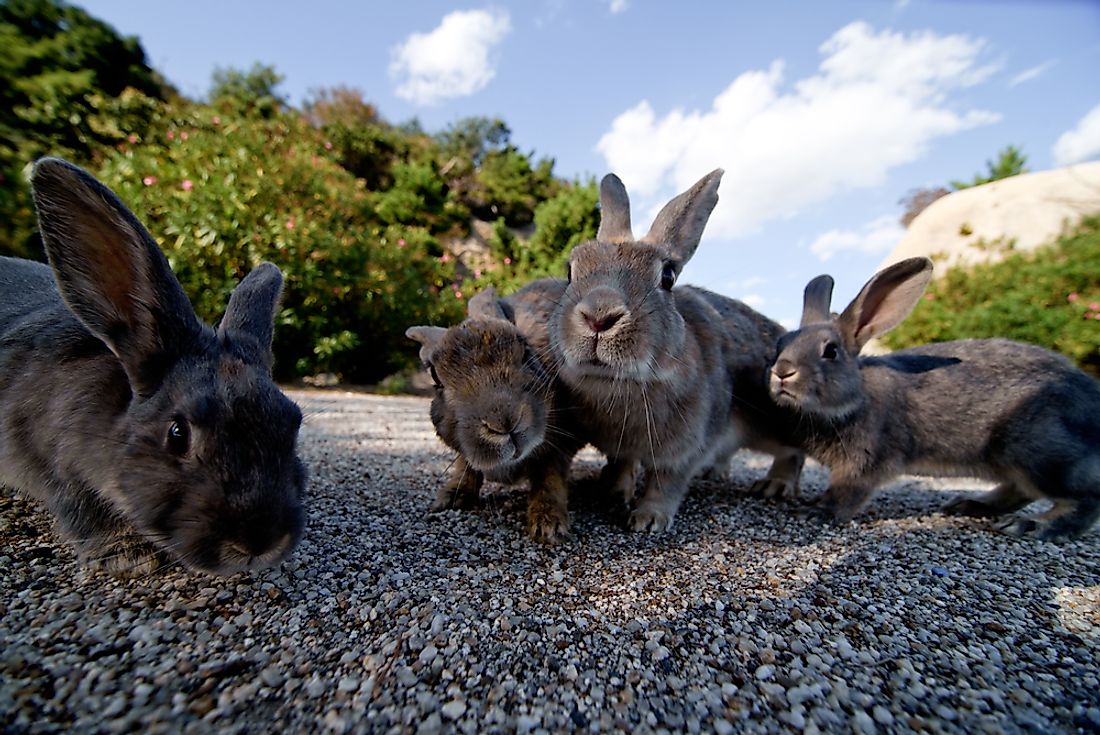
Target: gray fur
[
  {"x": 671, "y": 378},
  {"x": 990, "y": 408},
  {"x": 500, "y": 408},
  {"x": 92, "y": 377}
]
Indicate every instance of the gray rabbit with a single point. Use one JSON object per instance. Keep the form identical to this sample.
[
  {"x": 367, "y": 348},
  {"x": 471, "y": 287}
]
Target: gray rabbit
[
  {"x": 669, "y": 377},
  {"x": 148, "y": 435},
  {"x": 500, "y": 408},
  {"x": 992, "y": 408}
]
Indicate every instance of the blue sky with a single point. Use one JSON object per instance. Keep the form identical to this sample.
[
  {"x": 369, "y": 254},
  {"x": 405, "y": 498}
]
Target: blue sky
[{"x": 824, "y": 114}]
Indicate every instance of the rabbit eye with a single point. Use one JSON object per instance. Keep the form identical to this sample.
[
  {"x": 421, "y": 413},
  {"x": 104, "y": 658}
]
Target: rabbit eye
[
  {"x": 435, "y": 376},
  {"x": 178, "y": 439},
  {"x": 829, "y": 352},
  {"x": 668, "y": 276}
]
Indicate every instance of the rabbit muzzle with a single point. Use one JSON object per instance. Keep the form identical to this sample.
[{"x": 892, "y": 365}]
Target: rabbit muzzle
[
  {"x": 783, "y": 381},
  {"x": 601, "y": 313},
  {"x": 503, "y": 436}
]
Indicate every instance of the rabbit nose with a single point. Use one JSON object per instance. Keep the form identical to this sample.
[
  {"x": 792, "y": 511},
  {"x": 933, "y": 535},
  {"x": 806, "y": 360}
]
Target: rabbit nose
[
  {"x": 602, "y": 309},
  {"x": 603, "y": 322},
  {"x": 784, "y": 369}
]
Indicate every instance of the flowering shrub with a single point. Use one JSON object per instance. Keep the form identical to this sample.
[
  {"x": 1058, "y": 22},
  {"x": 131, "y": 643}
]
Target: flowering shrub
[
  {"x": 222, "y": 195},
  {"x": 1049, "y": 296}
]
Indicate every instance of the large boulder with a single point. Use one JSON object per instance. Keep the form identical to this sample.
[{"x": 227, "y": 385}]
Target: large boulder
[{"x": 1022, "y": 212}]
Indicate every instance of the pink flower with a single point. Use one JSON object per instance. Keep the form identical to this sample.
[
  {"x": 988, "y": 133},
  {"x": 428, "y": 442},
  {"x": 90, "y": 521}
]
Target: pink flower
[
  {"x": 930, "y": 297},
  {"x": 216, "y": 120},
  {"x": 187, "y": 185},
  {"x": 1072, "y": 297},
  {"x": 458, "y": 294},
  {"x": 149, "y": 180},
  {"x": 446, "y": 257},
  {"x": 328, "y": 146},
  {"x": 170, "y": 135},
  {"x": 1094, "y": 306},
  {"x": 507, "y": 261},
  {"x": 132, "y": 138},
  {"x": 290, "y": 224},
  {"x": 477, "y": 273},
  {"x": 401, "y": 242},
  {"x": 183, "y": 135},
  {"x": 1096, "y": 316}
]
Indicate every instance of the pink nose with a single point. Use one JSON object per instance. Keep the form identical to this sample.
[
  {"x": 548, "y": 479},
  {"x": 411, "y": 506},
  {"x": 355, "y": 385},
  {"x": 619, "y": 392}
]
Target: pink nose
[{"x": 603, "y": 322}]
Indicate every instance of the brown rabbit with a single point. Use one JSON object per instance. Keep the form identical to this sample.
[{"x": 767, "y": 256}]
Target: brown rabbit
[
  {"x": 669, "y": 377},
  {"x": 984, "y": 407},
  {"x": 498, "y": 406}
]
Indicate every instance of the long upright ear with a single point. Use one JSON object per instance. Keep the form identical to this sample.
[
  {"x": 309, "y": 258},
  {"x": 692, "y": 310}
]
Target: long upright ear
[
  {"x": 486, "y": 305},
  {"x": 111, "y": 273},
  {"x": 249, "y": 321},
  {"x": 614, "y": 211},
  {"x": 428, "y": 337},
  {"x": 816, "y": 300},
  {"x": 885, "y": 301},
  {"x": 680, "y": 223}
]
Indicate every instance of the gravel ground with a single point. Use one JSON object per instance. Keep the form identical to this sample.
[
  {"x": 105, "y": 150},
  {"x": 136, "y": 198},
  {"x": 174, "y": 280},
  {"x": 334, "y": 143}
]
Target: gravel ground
[{"x": 749, "y": 617}]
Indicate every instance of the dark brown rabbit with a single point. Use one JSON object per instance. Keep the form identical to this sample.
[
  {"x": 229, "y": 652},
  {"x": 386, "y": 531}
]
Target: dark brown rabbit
[
  {"x": 669, "y": 377},
  {"x": 990, "y": 408},
  {"x": 499, "y": 407},
  {"x": 148, "y": 435}
]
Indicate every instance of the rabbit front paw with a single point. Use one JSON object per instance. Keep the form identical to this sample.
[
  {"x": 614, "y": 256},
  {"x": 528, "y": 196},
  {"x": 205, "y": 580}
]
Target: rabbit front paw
[
  {"x": 651, "y": 519},
  {"x": 775, "y": 487},
  {"x": 124, "y": 557},
  {"x": 547, "y": 523},
  {"x": 455, "y": 498}
]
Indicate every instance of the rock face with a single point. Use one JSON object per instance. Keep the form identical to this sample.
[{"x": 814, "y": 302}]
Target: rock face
[{"x": 977, "y": 225}]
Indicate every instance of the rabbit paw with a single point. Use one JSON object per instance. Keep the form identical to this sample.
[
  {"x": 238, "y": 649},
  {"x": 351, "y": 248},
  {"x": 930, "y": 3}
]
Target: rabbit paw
[
  {"x": 1020, "y": 527},
  {"x": 125, "y": 558},
  {"x": 547, "y": 523},
  {"x": 653, "y": 520},
  {"x": 775, "y": 487},
  {"x": 716, "y": 473},
  {"x": 454, "y": 498},
  {"x": 967, "y": 507}
]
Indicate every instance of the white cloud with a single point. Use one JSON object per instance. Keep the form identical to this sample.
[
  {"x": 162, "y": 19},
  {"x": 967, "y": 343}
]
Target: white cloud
[
  {"x": 1082, "y": 143},
  {"x": 877, "y": 236},
  {"x": 1033, "y": 73},
  {"x": 453, "y": 60},
  {"x": 877, "y": 101},
  {"x": 743, "y": 284},
  {"x": 618, "y": 6},
  {"x": 754, "y": 300}
]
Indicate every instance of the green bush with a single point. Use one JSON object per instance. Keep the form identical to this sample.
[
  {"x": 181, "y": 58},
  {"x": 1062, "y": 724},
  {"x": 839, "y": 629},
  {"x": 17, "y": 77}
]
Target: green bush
[
  {"x": 570, "y": 217},
  {"x": 1049, "y": 296},
  {"x": 223, "y": 195}
]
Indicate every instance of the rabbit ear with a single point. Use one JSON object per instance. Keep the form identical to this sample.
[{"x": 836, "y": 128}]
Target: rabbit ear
[
  {"x": 679, "y": 225},
  {"x": 485, "y": 305},
  {"x": 251, "y": 313},
  {"x": 428, "y": 337},
  {"x": 816, "y": 299},
  {"x": 614, "y": 211},
  {"x": 885, "y": 301},
  {"x": 111, "y": 273}
]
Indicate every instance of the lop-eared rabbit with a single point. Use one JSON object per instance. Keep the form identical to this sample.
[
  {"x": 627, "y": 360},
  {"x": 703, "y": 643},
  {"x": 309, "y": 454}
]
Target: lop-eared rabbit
[
  {"x": 671, "y": 377},
  {"x": 500, "y": 408},
  {"x": 149, "y": 436},
  {"x": 990, "y": 408}
]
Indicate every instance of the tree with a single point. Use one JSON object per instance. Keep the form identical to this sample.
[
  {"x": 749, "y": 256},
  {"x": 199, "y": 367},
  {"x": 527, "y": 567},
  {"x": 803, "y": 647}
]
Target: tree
[
  {"x": 917, "y": 200},
  {"x": 251, "y": 92},
  {"x": 1010, "y": 162},
  {"x": 62, "y": 74}
]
